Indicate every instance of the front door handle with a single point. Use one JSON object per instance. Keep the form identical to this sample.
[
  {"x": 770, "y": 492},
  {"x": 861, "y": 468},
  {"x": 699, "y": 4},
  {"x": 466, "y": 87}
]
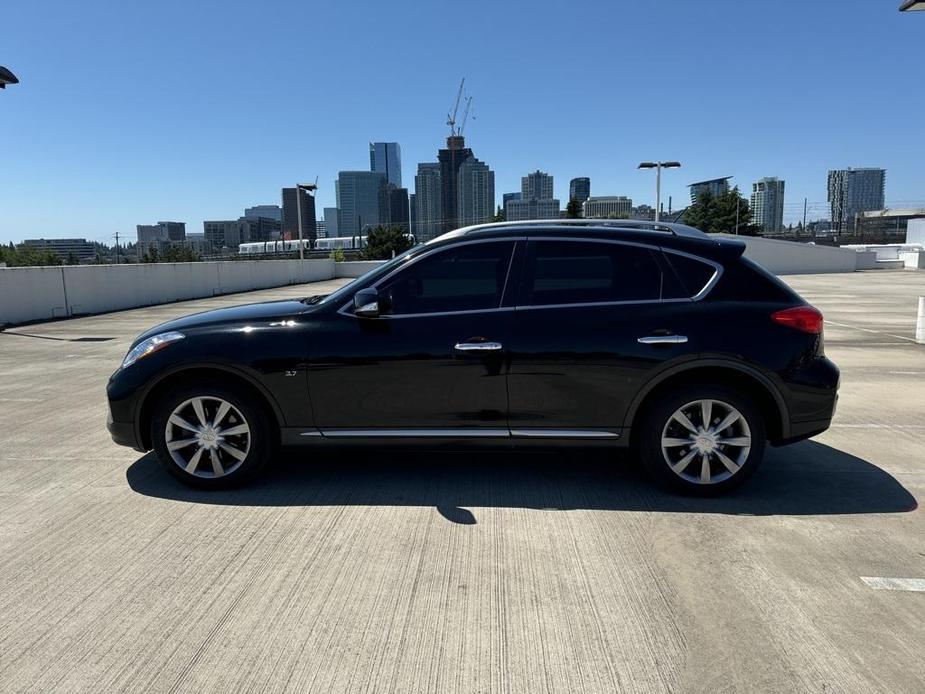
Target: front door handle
[
  {"x": 663, "y": 340},
  {"x": 478, "y": 346}
]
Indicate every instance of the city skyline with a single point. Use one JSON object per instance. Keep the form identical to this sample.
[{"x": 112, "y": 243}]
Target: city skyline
[{"x": 110, "y": 155}]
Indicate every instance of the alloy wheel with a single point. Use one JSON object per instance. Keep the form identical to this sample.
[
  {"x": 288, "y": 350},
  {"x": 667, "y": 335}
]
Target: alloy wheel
[
  {"x": 207, "y": 437},
  {"x": 706, "y": 441}
]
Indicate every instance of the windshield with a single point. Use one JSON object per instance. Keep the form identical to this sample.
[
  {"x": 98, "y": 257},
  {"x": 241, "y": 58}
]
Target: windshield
[{"x": 369, "y": 277}]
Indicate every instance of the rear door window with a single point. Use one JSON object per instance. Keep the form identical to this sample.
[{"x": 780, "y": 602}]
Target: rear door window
[{"x": 584, "y": 272}]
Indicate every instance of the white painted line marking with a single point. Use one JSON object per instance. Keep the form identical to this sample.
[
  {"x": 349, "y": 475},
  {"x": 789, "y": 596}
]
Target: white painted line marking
[
  {"x": 871, "y": 330},
  {"x": 916, "y": 585},
  {"x": 838, "y": 425}
]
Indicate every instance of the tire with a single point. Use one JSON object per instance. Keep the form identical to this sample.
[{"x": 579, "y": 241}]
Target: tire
[
  {"x": 229, "y": 431},
  {"x": 672, "y": 444}
]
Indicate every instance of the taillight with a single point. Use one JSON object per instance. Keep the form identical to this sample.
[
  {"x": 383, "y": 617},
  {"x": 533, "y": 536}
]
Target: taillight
[{"x": 806, "y": 319}]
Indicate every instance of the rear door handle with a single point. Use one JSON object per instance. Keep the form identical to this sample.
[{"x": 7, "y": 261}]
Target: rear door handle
[
  {"x": 663, "y": 340},
  {"x": 478, "y": 346}
]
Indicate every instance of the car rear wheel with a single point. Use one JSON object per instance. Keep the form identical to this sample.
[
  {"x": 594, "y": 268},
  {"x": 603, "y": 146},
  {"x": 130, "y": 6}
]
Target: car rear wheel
[
  {"x": 702, "y": 440},
  {"x": 210, "y": 436}
]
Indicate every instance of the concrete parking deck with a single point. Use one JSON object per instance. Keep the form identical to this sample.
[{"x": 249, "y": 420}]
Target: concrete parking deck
[{"x": 524, "y": 572}]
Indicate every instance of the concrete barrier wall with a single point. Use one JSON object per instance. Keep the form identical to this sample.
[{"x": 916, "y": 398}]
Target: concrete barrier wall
[
  {"x": 792, "y": 258},
  {"x": 355, "y": 268},
  {"x": 41, "y": 293},
  {"x": 30, "y": 294}
]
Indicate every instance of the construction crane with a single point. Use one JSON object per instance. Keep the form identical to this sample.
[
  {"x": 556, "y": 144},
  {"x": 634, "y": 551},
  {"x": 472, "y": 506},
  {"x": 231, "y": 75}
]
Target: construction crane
[
  {"x": 451, "y": 117},
  {"x": 466, "y": 114}
]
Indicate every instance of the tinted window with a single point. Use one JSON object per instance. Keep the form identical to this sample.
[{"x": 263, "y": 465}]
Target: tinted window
[
  {"x": 744, "y": 280},
  {"x": 694, "y": 275},
  {"x": 577, "y": 272},
  {"x": 464, "y": 278}
]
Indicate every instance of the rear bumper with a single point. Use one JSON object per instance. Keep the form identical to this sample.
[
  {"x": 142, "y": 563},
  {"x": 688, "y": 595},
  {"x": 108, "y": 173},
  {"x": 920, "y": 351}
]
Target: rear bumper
[
  {"x": 804, "y": 430},
  {"x": 812, "y": 397}
]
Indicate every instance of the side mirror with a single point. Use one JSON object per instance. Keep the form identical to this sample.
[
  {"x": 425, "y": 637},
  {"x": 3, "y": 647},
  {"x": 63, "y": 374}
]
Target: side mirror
[{"x": 366, "y": 303}]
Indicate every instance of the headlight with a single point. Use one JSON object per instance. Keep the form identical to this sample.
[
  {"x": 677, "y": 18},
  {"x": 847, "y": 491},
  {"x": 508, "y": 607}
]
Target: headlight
[{"x": 150, "y": 346}]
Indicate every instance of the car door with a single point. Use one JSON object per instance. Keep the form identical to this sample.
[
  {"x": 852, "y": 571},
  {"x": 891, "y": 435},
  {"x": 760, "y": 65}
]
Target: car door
[
  {"x": 594, "y": 319},
  {"x": 433, "y": 362}
]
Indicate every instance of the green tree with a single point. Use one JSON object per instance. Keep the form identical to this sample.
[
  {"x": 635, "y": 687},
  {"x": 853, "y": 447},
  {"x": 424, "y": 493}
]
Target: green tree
[
  {"x": 573, "y": 209},
  {"x": 179, "y": 254},
  {"x": 384, "y": 242},
  {"x": 72, "y": 259},
  {"x": 717, "y": 213},
  {"x": 337, "y": 255},
  {"x": 151, "y": 255},
  {"x": 499, "y": 216},
  {"x": 23, "y": 256}
]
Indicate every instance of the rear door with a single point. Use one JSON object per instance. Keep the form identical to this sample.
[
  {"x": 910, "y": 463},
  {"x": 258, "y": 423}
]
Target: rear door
[{"x": 594, "y": 319}]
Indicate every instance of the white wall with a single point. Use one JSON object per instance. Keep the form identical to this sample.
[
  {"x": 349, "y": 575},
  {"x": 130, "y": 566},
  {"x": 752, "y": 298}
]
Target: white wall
[
  {"x": 30, "y": 294},
  {"x": 41, "y": 293},
  {"x": 355, "y": 268},
  {"x": 792, "y": 258}
]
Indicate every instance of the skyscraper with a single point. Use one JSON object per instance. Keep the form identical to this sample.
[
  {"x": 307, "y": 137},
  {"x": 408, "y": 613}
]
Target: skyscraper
[
  {"x": 509, "y": 196},
  {"x": 605, "y": 206},
  {"x": 358, "y": 201},
  {"x": 536, "y": 199},
  {"x": 450, "y": 160},
  {"x": 150, "y": 234},
  {"x": 268, "y": 211},
  {"x": 536, "y": 186},
  {"x": 428, "y": 202},
  {"x": 767, "y": 204},
  {"x": 290, "y": 222},
  {"x": 715, "y": 186},
  {"x": 476, "y": 192},
  {"x": 393, "y": 206},
  {"x": 579, "y": 189},
  {"x": 330, "y": 221},
  {"x": 851, "y": 191},
  {"x": 385, "y": 158}
]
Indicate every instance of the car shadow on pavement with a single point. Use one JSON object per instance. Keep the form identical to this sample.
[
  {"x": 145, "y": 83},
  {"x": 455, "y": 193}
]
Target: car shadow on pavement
[{"x": 808, "y": 478}]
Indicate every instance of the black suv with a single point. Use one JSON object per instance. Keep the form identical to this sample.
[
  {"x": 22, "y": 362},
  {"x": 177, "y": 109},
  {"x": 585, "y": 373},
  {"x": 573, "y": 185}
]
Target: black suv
[{"x": 641, "y": 334}]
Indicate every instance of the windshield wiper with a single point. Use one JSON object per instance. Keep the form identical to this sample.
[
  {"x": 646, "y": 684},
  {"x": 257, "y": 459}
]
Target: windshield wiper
[{"x": 313, "y": 299}]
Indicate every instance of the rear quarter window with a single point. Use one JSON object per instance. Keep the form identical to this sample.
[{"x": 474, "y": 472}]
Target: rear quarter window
[
  {"x": 692, "y": 275},
  {"x": 745, "y": 280}
]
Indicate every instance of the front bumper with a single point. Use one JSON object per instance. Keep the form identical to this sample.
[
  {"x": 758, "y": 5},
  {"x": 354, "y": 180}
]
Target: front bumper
[{"x": 123, "y": 433}]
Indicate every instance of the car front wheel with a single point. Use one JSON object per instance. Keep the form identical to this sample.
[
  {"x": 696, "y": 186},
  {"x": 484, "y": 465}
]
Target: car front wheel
[
  {"x": 211, "y": 436},
  {"x": 703, "y": 440}
]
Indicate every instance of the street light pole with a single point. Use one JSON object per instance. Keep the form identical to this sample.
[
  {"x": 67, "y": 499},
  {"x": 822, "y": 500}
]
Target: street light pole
[
  {"x": 299, "y": 187},
  {"x": 7, "y": 77},
  {"x": 298, "y": 207},
  {"x": 658, "y": 166},
  {"x": 658, "y": 191}
]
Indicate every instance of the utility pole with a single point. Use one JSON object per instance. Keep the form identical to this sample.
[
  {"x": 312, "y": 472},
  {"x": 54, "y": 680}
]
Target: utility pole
[
  {"x": 117, "y": 248},
  {"x": 804, "y": 217}
]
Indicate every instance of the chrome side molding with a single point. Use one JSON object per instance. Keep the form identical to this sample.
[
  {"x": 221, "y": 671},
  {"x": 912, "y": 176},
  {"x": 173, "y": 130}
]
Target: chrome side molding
[
  {"x": 663, "y": 340},
  {"x": 564, "y": 434},
  {"x": 467, "y": 432},
  {"x": 478, "y": 346}
]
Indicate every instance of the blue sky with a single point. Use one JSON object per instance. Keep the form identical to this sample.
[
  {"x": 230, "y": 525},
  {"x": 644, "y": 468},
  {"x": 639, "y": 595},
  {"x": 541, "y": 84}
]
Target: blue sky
[{"x": 130, "y": 113}]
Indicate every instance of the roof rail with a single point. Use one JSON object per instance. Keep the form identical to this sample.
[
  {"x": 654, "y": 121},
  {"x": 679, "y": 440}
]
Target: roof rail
[{"x": 627, "y": 224}]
